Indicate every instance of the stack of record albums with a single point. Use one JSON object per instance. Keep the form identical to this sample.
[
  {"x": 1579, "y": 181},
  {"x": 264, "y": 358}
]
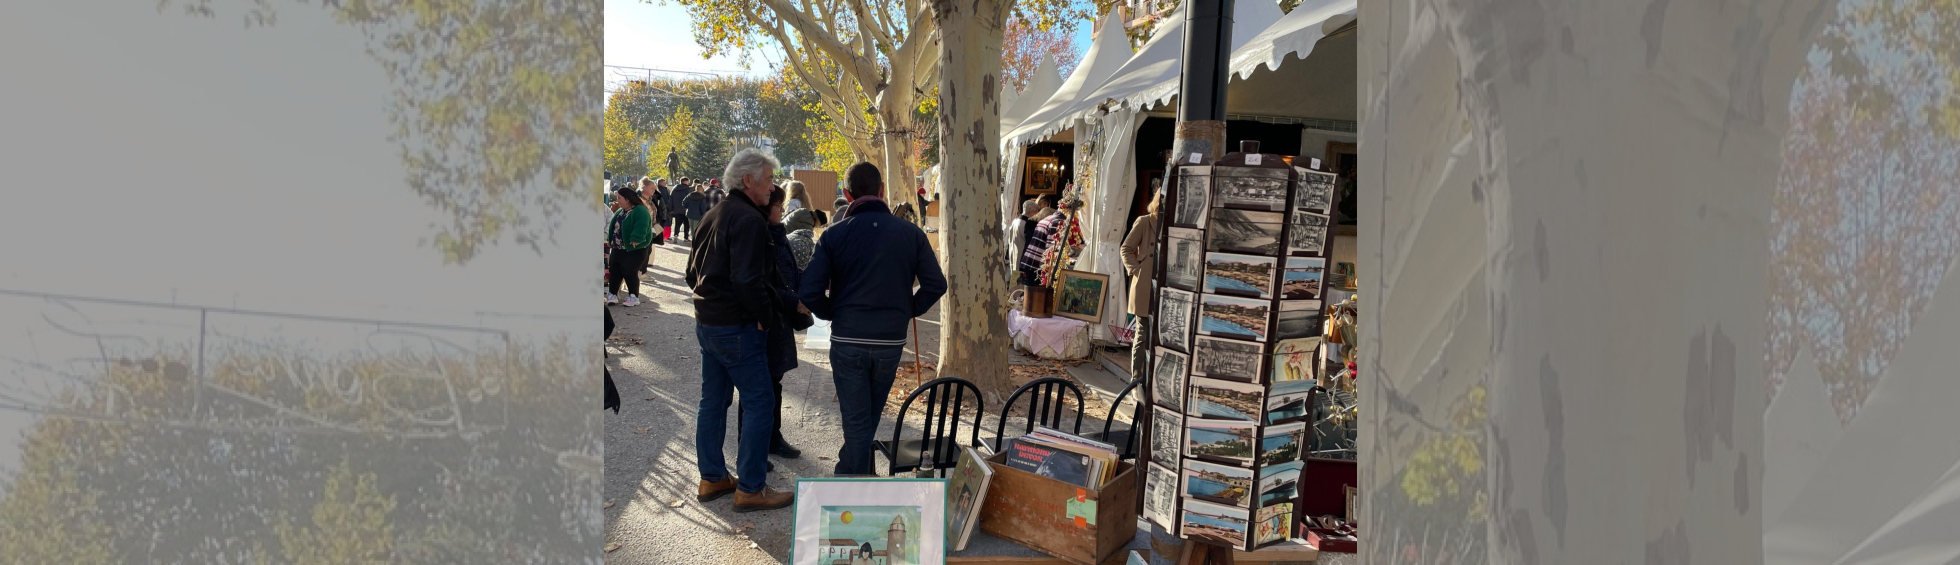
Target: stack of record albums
[{"x": 1237, "y": 330}]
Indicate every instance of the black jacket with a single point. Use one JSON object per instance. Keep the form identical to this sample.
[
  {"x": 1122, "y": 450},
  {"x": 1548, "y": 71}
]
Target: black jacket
[
  {"x": 612, "y": 392},
  {"x": 781, "y": 344},
  {"x": 862, "y": 274},
  {"x": 731, "y": 266},
  {"x": 676, "y": 197}
]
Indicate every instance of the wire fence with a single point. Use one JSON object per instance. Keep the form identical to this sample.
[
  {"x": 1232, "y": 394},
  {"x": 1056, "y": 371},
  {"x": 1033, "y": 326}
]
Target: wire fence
[{"x": 253, "y": 371}]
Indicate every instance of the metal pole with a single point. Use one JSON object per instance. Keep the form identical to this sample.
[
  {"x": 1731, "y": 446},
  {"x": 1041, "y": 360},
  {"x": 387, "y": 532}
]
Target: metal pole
[
  {"x": 1200, "y": 141},
  {"x": 197, "y": 403},
  {"x": 1201, "y": 86}
]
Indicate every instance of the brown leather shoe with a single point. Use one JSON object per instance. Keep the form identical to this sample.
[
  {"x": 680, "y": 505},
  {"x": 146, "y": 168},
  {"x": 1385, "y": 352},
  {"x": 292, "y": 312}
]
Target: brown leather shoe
[
  {"x": 710, "y": 491},
  {"x": 768, "y": 499}
]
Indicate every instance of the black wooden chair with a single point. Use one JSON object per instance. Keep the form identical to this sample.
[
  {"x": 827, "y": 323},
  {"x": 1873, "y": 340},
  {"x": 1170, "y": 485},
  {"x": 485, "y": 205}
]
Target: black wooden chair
[
  {"x": 1123, "y": 439},
  {"x": 1044, "y": 408},
  {"x": 944, "y": 399}
]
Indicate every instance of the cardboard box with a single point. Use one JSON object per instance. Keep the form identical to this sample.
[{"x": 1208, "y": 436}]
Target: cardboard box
[
  {"x": 1034, "y": 511},
  {"x": 822, "y": 186}
]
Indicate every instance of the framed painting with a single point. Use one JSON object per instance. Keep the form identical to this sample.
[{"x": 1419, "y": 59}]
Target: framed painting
[
  {"x": 1079, "y": 295},
  {"x": 1041, "y": 175},
  {"x": 876, "y": 520}
]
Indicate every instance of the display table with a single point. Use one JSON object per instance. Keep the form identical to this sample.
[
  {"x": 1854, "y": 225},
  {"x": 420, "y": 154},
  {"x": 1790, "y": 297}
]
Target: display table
[
  {"x": 1049, "y": 338},
  {"x": 984, "y": 549}
]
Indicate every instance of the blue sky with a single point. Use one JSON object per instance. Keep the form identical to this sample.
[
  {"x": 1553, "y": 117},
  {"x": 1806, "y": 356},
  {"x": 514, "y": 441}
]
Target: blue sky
[{"x": 642, "y": 34}]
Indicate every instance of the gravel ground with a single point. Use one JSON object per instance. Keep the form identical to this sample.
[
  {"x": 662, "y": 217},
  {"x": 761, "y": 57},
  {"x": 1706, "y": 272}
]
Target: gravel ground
[{"x": 650, "y": 462}]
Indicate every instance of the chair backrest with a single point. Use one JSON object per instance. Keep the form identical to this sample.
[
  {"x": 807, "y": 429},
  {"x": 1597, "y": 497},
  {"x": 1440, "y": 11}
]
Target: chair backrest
[
  {"x": 945, "y": 397},
  {"x": 1044, "y": 408},
  {"x": 1129, "y": 446}
]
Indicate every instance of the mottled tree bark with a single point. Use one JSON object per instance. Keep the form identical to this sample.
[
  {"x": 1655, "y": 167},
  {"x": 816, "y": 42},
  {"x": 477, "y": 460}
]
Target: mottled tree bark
[{"x": 973, "y": 340}]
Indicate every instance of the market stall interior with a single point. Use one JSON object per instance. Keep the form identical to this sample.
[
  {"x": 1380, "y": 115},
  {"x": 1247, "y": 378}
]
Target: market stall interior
[{"x": 1261, "y": 345}]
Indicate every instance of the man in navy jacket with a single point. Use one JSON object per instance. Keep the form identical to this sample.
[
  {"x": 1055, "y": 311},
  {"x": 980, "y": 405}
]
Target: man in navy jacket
[{"x": 861, "y": 279}]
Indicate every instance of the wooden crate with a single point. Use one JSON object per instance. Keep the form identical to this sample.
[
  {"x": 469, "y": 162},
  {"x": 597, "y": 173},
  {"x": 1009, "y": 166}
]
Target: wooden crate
[
  {"x": 1040, "y": 302},
  {"x": 1032, "y": 510}
]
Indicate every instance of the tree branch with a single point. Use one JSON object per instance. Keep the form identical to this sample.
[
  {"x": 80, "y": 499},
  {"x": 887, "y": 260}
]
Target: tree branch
[
  {"x": 868, "y": 24},
  {"x": 864, "y": 70}
]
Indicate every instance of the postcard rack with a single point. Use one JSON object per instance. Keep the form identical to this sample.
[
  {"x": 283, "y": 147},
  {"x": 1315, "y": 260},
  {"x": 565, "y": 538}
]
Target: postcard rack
[{"x": 1236, "y": 327}]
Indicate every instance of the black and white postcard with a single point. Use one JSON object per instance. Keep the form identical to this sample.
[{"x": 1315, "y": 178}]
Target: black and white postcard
[
  {"x": 1308, "y": 233},
  {"x": 1297, "y": 319},
  {"x": 1174, "y": 308},
  {"x": 1316, "y": 191},
  {"x": 1167, "y": 378},
  {"x": 1166, "y": 436},
  {"x": 1193, "y": 197},
  {"x": 1249, "y": 189},
  {"x": 1245, "y": 231},
  {"x": 1184, "y": 263},
  {"x": 1229, "y": 359}
]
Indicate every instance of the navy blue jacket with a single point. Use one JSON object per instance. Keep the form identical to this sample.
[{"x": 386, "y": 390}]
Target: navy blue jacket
[{"x": 861, "y": 276}]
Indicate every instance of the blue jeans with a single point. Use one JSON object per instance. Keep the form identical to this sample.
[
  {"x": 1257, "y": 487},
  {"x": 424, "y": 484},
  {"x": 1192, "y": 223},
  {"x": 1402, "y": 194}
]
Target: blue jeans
[
  {"x": 864, "y": 378},
  {"x": 732, "y": 358}
]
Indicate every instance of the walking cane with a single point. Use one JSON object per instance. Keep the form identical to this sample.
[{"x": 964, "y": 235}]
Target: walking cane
[{"x": 918, "y": 368}]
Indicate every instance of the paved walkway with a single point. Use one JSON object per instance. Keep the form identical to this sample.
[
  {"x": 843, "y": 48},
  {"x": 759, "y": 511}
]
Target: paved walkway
[{"x": 650, "y": 462}]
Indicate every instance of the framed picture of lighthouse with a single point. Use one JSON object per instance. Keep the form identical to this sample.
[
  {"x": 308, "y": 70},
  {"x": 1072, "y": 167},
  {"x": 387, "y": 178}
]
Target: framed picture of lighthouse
[{"x": 882, "y": 521}]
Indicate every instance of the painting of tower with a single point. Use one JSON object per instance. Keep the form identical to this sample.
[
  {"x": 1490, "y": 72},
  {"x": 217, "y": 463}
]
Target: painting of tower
[{"x": 895, "y": 549}]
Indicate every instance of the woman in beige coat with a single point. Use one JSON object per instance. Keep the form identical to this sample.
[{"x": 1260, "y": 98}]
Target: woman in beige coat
[{"x": 1140, "y": 261}]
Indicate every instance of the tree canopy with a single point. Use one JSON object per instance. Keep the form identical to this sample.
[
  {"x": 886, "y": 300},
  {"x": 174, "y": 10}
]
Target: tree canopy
[{"x": 495, "y": 106}]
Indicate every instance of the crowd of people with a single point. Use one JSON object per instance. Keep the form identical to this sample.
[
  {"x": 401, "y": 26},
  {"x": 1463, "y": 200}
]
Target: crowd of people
[{"x": 758, "y": 272}]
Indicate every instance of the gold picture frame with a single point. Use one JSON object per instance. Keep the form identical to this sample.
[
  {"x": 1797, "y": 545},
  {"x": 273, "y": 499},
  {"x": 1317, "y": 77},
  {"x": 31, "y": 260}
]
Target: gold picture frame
[
  {"x": 1079, "y": 295},
  {"x": 1041, "y": 175}
]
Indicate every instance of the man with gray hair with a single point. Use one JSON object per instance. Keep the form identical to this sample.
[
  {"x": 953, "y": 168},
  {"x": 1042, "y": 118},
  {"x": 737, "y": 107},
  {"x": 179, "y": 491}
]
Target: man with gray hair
[{"x": 729, "y": 270}]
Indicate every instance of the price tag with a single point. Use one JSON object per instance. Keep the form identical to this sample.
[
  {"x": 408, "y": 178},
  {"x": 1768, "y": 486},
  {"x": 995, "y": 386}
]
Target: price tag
[
  {"x": 1194, "y": 158},
  {"x": 1254, "y": 159},
  {"x": 1314, "y": 164}
]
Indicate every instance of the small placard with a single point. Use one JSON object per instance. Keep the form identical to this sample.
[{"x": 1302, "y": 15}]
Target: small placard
[
  {"x": 1254, "y": 159},
  {"x": 1195, "y": 157},
  {"x": 1314, "y": 164}
]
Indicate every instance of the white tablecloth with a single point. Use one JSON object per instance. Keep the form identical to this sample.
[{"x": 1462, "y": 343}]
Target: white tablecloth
[{"x": 1049, "y": 338}]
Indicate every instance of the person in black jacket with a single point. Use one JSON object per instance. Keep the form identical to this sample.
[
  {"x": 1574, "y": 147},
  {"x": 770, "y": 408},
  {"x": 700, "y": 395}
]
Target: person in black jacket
[
  {"x": 861, "y": 279},
  {"x": 782, "y": 336},
  {"x": 677, "y": 200},
  {"x": 612, "y": 392},
  {"x": 730, "y": 271}
]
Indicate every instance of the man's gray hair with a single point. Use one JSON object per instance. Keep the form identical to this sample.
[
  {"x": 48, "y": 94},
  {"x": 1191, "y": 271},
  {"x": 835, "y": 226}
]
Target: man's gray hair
[{"x": 750, "y": 162}]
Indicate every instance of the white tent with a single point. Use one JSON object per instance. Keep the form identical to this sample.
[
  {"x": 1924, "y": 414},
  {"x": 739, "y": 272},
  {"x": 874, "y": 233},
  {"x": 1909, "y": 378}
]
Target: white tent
[
  {"x": 1317, "y": 87},
  {"x": 1040, "y": 86},
  {"x": 1151, "y": 77},
  {"x": 1106, "y": 54},
  {"x": 1046, "y": 79}
]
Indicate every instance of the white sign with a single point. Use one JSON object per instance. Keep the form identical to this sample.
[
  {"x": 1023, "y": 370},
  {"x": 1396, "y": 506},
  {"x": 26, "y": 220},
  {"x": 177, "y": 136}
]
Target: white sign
[
  {"x": 1255, "y": 159},
  {"x": 1194, "y": 158},
  {"x": 1314, "y": 164}
]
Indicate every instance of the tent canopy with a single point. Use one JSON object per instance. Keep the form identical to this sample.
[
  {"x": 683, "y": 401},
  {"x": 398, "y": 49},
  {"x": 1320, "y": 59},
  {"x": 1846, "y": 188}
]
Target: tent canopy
[
  {"x": 1110, "y": 49},
  {"x": 1150, "y": 76},
  {"x": 1295, "y": 33},
  {"x": 1046, "y": 79}
]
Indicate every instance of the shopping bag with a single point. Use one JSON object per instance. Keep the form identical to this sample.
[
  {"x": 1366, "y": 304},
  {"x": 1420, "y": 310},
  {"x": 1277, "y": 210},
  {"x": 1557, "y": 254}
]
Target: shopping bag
[{"x": 817, "y": 338}]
